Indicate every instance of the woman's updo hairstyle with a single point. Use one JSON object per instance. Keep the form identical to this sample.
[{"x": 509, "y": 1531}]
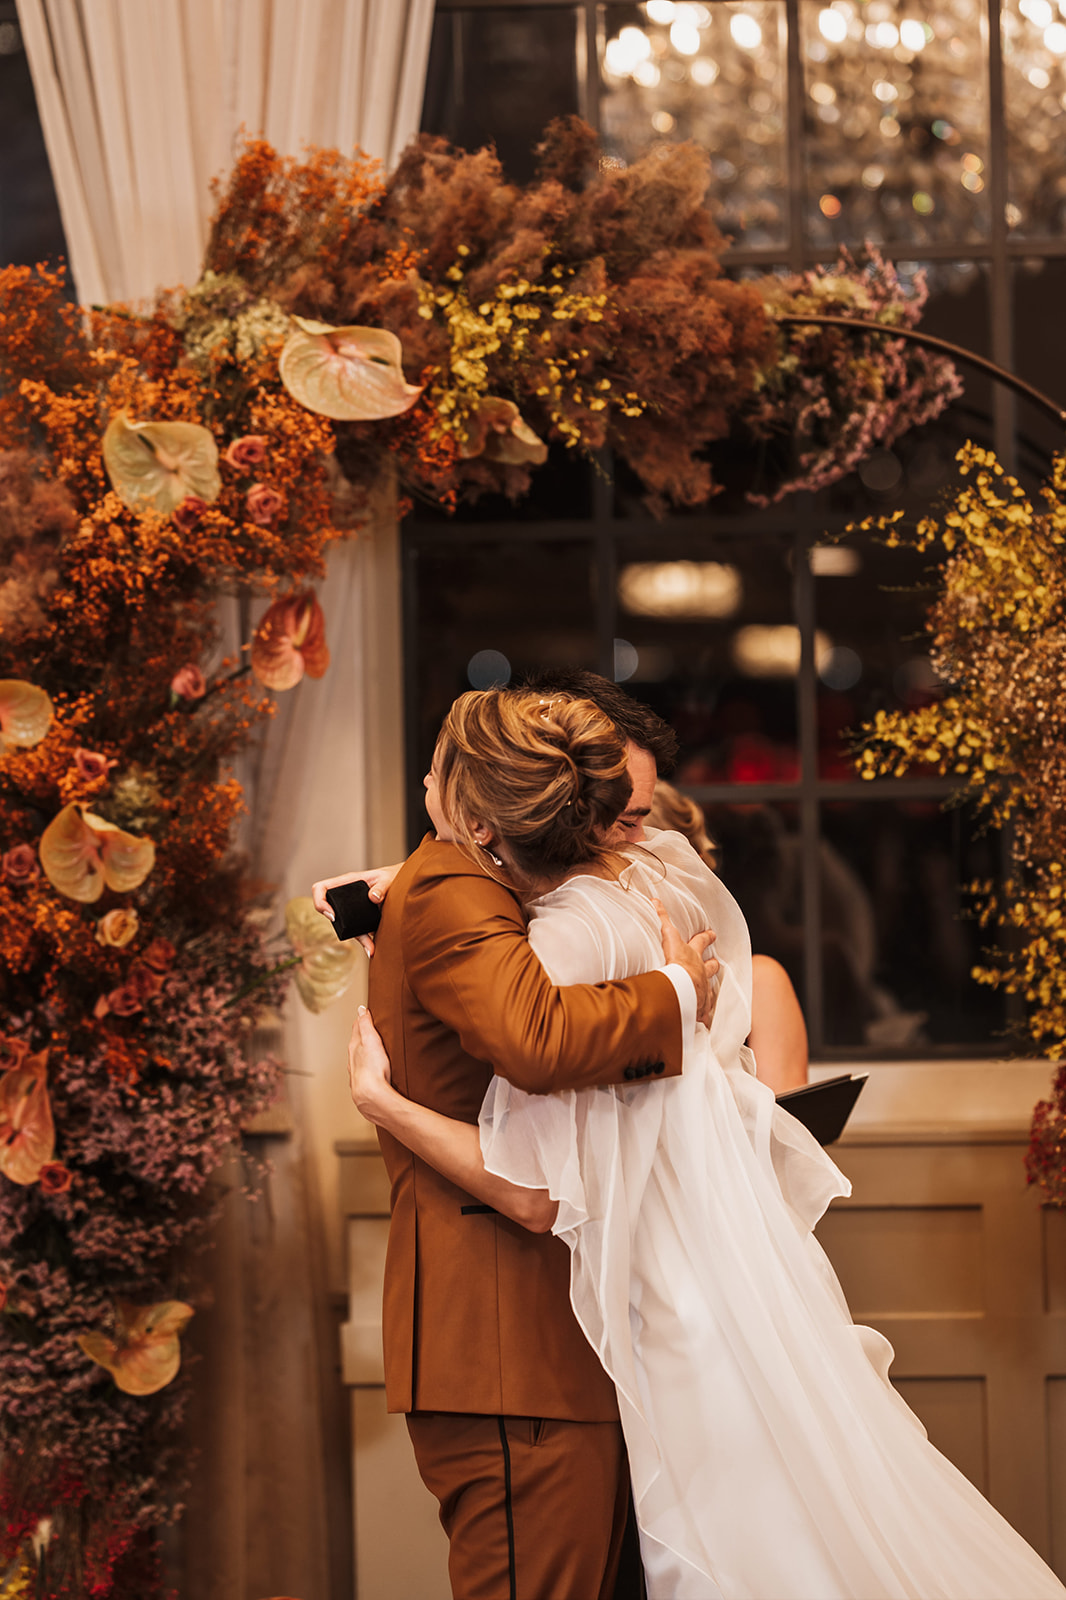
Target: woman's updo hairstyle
[{"x": 548, "y": 776}]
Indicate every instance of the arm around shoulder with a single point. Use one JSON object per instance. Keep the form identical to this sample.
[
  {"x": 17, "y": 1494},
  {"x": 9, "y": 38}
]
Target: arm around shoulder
[{"x": 469, "y": 963}]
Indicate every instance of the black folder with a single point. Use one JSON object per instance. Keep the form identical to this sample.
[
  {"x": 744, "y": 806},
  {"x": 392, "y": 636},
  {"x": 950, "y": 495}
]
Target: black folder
[{"x": 825, "y": 1107}]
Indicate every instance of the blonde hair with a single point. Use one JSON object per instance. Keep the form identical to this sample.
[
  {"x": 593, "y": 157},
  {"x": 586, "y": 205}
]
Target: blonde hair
[
  {"x": 548, "y": 776},
  {"x": 671, "y": 809}
]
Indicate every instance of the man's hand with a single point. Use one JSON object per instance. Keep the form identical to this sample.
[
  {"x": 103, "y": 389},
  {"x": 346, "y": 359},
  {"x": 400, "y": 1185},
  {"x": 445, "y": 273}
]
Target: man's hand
[
  {"x": 693, "y": 956},
  {"x": 380, "y": 881},
  {"x": 369, "y": 1070}
]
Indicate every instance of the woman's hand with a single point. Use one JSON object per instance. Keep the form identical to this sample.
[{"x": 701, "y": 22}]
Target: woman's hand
[
  {"x": 369, "y": 1070},
  {"x": 380, "y": 881},
  {"x": 692, "y": 955}
]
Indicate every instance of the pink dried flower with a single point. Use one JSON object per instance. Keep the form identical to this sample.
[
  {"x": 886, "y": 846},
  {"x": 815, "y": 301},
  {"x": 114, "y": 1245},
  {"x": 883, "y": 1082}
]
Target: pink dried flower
[
  {"x": 91, "y": 764},
  {"x": 19, "y": 864},
  {"x": 246, "y": 452},
  {"x": 188, "y": 513},
  {"x": 263, "y": 504},
  {"x": 188, "y": 683},
  {"x": 55, "y": 1178}
]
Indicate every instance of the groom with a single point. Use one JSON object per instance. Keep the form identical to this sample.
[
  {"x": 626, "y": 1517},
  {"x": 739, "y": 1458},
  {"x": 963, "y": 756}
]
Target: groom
[{"x": 513, "y": 1420}]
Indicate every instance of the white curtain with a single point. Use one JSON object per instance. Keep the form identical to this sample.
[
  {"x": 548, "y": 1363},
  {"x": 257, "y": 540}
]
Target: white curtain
[{"x": 142, "y": 102}]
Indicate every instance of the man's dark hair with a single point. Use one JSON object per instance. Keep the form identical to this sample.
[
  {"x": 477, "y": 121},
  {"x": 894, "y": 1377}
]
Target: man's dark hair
[{"x": 633, "y": 720}]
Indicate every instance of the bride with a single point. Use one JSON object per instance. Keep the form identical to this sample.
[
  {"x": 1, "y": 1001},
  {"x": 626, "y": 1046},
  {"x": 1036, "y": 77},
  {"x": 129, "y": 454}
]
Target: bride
[{"x": 770, "y": 1457}]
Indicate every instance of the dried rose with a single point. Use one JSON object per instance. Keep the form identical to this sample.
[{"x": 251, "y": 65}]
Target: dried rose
[
  {"x": 352, "y": 374},
  {"x": 248, "y": 451},
  {"x": 55, "y": 1178},
  {"x": 289, "y": 641},
  {"x": 81, "y": 854},
  {"x": 25, "y": 713},
  {"x": 27, "y": 1133},
  {"x": 144, "y": 1355},
  {"x": 187, "y": 516},
  {"x": 159, "y": 955},
  {"x": 263, "y": 504},
  {"x": 142, "y": 982},
  {"x": 19, "y": 864},
  {"x": 188, "y": 683},
  {"x": 117, "y": 927},
  {"x": 121, "y": 1002},
  {"x": 90, "y": 765},
  {"x": 157, "y": 465}
]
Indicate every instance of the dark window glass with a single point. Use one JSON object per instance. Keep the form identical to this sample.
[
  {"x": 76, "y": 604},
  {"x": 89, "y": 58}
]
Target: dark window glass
[
  {"x": 899, "y": 942},
  {"x": 499, "y": 75},
  {"x": 30, "y": 226}
]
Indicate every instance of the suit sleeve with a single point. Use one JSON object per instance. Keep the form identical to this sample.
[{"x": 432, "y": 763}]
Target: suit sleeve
[{"x": 469, "y": 964}]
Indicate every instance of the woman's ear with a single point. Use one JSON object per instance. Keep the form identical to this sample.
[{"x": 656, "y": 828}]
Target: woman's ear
[{"x": 481, "y": 833}]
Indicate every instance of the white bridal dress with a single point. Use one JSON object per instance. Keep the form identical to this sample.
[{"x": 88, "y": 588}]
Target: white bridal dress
[{"x": 770, "y": 1457}]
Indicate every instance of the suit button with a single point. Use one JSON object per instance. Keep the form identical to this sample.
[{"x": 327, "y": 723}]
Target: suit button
[
  {"x": 660, "y": 1066},
  {"x": 629, "y": 1074}
]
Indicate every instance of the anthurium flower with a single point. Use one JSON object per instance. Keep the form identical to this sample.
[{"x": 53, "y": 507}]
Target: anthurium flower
[
  {"x": 27, "y": 1133},
  {"x": 352, "y": 374},
  {"x": 145, "y": 1355},
  {"x": 25, "y": 713},
  {"x": 156, "y": 464},
  {"x": 497, "y": 432},
  {"x": 326, "y": 966},
  {"x": 82, "y": 854},
  {"x": 289, "y": 641}
]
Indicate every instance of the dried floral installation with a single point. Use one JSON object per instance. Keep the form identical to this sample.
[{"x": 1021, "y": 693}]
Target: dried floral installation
[
  {"x": 438, "y": 329},
  {"x": 998, "y": 639}
]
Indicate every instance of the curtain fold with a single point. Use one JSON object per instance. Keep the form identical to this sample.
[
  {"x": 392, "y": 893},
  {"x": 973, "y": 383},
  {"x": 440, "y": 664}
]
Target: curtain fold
[{"x": 142, "y": 103}]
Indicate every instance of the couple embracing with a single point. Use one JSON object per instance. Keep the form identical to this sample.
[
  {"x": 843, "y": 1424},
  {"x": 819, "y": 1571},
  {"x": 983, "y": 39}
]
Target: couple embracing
[{"x": 601, "y": 1263}]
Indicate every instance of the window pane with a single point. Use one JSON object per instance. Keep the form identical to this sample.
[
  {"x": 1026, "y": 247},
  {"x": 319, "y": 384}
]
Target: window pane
[
  {"x": 30, "y": 225},
  {"x": 716, "y": 654},
  {"x": 1038, "y": 288},
  {"x": 1034, "y": 83},
  {"x": 715, "y": 74},
  {"x": 499, "y": 76},
  {"x": 896, "y": 121},
  {"x": 485, "y": 611},
  {"x": 871, "y": 606},
  {"x": 898, "y": 944}
]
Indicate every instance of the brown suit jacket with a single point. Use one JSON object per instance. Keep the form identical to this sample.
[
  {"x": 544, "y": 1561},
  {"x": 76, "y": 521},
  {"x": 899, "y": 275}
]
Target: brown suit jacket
[{"x": 477, "y": 1314}]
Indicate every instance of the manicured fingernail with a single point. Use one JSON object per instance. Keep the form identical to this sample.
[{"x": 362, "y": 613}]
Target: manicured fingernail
[{"x": 362, "y": 1011}]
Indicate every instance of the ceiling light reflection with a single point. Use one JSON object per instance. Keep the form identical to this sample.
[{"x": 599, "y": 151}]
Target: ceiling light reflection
[
  {"x": 680, "y": 589},
  {"x": 762, "y": 651}
]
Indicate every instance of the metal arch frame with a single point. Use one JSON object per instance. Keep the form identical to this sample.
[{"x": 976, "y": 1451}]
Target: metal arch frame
[{"x": 932, "y": 342}]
